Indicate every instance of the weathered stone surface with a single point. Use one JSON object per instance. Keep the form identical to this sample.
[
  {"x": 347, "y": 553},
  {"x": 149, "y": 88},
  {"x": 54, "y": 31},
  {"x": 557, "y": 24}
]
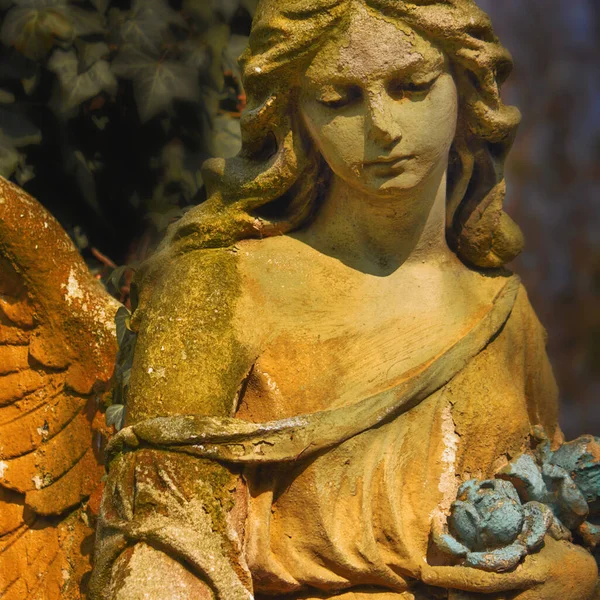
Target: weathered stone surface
[
  {"x": 320, "y": 358},
  {"x": 329, "y": 346},
  {"x": 57, "y": 350}
]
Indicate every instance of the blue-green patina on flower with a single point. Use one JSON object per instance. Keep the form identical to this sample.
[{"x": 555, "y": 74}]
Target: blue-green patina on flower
[
  {"x": 568, "y": 481},
  {"x": 495, "y": 523},
  {"x": 490, "y": 528}
]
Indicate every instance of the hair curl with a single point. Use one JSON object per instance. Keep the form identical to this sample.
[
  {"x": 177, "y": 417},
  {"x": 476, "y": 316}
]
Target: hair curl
[{"x": 276, "y": 182}]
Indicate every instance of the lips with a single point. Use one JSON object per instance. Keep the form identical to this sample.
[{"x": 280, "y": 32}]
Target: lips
[
  {"x": 389, "y": 164},
  {"x": 389, "y": 161}
]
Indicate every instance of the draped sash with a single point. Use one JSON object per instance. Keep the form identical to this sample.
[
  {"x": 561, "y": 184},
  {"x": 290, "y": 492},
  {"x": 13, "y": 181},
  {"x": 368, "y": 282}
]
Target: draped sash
[
  {"x": 233, "y": 440},
  {"x": 183, "y": 528}
]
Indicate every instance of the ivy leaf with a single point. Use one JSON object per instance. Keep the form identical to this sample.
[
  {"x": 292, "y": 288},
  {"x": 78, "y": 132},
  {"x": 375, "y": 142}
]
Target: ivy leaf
[
  {"x": 123, "y": 315},
  {"x": 146, "y": 23},
  {"x": 100, "y": 122},
  {"x": 24, "y": 172},
  {"x": 86, "y": 22},
  {"x": 35, "y": 31},
  {"x": 135, "y": 200},
  {"x": 180, "y": 172},
  {"x": 35, "y": 26},
  {"x": 114, "y": 280},
  {"x": 75, "y": 88},
  {"x": 14, "y": 67},
  {"x": 13, "y": 162},
  {"x": 161, "y": 220},
  {"x": 196, "y": 54},
  {"x": 156, "y": 82},
  {"x": 215, "y": 41},
  {"x": 115, "y": 415},
  {"x": 90, "y": 53},
  {"x": 10, "y": 157},
  {"x": 200, "y": 10}
]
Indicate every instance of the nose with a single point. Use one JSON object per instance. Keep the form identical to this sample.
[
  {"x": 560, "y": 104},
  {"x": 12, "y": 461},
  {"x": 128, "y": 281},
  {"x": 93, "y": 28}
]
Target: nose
[{"x": 384, "y": 127}]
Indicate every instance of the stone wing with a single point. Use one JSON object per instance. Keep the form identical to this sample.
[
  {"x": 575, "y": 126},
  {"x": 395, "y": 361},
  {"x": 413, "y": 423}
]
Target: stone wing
[{"x": 57, "y": 352}]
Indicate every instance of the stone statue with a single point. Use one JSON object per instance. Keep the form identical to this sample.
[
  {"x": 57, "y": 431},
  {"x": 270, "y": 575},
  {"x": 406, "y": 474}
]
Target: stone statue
[
  {"x": 331, "y": 386},
  {"x": 57, "y": 354}
]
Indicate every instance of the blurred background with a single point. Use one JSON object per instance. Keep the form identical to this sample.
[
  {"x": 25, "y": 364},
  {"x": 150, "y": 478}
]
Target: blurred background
[
  {"x": 553, "y": 178},
  {"x": 109, "y": 107}
]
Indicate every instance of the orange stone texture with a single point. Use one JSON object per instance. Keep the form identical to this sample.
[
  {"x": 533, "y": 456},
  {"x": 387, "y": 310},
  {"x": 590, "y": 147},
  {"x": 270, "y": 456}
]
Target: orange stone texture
[{"x": 57, "y": 351}]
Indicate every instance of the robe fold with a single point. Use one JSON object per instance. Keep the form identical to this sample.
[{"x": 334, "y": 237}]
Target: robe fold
[{"x": 345, "y": 498}]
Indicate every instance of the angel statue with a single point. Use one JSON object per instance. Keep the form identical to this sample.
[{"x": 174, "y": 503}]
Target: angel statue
[{"x": 331, "y": 385}]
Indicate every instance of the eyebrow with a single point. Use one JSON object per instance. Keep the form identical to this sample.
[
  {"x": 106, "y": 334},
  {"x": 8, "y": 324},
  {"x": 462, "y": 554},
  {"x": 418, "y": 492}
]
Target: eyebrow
[
  {"x": 432, "y": 72},
  {"x": 419, "y": 65}
]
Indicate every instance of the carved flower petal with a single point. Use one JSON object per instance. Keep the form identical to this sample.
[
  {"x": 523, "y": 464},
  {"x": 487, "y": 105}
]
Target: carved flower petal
[
  {"x": 502, "y": 522},
  {"x": 572, "y": 505},
  {"x": 506, "y": 488},
  {"x": 587, "y": 479},
  {"x": 525, "y": 474},
  {"x": 590, "y": 534},
  {"x": 465, "y": 523},
  {"x": 538, "y": 520},
  {"x": 579, "y": 455},
  {"x": 469, "y": 489},
  {"x": 449, "y": 545},
  {"x": 499, "y": 560}
]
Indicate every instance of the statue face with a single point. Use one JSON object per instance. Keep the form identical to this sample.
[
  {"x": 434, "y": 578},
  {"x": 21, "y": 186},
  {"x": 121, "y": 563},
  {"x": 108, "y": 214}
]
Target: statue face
[{"x": 381, "y": 106}]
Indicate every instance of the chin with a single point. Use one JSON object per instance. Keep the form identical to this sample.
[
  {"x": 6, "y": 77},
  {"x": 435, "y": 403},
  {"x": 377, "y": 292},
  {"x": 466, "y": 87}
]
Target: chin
[{"x": 402, "y": 184}]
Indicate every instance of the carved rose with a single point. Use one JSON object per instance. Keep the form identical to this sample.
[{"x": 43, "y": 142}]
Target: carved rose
[
  {"x": 490, "y": 529},
  {"x": 568, "y": 481},
  {"x": 494, "y": 523}
]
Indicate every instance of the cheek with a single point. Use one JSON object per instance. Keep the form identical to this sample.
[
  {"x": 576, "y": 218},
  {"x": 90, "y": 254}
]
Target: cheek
[
  {"x": 433, "y": 123},
  {"x": 340, "y": 139}
]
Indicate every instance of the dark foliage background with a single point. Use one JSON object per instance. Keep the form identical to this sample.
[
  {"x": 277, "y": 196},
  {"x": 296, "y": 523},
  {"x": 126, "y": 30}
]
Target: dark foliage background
[{"x": 109, "y": 107}]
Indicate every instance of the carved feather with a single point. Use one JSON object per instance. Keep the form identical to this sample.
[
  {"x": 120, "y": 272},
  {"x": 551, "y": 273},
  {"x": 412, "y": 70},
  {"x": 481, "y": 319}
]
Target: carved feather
[{"x": 57, "y": 353}]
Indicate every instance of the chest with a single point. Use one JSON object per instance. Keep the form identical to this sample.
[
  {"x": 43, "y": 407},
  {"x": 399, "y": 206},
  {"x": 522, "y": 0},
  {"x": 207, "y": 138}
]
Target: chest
[{"x": 323, "y": 350}]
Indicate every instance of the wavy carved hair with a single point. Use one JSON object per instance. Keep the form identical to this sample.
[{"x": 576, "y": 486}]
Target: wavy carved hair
[{"x": 276, "y": 182}]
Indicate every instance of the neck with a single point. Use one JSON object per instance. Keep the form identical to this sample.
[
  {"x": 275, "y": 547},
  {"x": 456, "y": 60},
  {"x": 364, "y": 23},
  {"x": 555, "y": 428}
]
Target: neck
[{"x": 379, "y": 235}]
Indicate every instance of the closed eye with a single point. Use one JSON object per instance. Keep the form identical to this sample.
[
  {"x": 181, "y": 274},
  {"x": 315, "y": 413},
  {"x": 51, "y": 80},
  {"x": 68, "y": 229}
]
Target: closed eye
[{"x": 401, "y": 89}]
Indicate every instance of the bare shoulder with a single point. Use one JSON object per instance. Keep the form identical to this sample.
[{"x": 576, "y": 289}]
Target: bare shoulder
[
  {"x": 284, "y": 269},
  {"x": 284, "y": 255},
  {"x": 288, "y": 274},
  {"x": 191, "y": 355}
]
